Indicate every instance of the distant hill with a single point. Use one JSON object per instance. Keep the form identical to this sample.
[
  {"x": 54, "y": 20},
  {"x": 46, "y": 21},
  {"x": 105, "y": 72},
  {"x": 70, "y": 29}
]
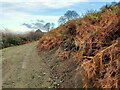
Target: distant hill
[{"x": 92, "y": 45}]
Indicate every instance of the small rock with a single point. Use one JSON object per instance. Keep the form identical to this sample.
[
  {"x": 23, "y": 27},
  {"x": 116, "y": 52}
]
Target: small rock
[
  {"x": 61, "y": 81},
  {"x": 39, "y": 76},
  {"x": 49, "y": 87},
  {"x": 49, "y": 80},
  {"x": 55, "y": 83},
  {"x": 44, "y": 74},
  {"x": 58, "y": 84},
  {"x": 56, "y": 77}
]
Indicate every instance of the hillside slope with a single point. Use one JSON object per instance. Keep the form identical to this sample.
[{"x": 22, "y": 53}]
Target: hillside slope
[{"x": 92, "y": 45}]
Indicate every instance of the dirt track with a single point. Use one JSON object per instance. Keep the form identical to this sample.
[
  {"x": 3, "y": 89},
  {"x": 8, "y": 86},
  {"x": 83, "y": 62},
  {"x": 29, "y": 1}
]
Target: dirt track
[{"x": 24, "y": 67}]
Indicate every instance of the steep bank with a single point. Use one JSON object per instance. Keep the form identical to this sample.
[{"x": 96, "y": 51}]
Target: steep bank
[{"x": 87, "y": 48}]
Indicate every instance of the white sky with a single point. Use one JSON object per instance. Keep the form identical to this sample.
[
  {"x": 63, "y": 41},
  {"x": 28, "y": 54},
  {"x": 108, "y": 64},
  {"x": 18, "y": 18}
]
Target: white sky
[{"x": 12, "y": 17}]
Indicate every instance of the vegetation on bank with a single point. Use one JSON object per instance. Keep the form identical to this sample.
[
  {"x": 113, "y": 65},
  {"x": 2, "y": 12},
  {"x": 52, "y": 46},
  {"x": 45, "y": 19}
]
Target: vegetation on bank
[{"x": 94, "y": 40}]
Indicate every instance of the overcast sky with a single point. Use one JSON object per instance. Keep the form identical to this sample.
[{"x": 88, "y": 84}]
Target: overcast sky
[{"x": 17, "y": 14}]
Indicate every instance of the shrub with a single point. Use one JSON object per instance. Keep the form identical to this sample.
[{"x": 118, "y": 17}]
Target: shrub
[{"x": 9, "y": 39}]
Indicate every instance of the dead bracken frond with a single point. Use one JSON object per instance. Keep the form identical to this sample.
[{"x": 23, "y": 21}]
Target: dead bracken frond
[
  {"x": 103, "y": 70},
  {"x": 94, "y": 40}
]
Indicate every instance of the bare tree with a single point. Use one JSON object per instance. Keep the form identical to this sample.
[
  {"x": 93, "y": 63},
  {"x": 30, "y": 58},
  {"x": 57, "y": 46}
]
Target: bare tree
[
  {"x": 62, "y": 20},
  {"x": 52, "y": 25},
  {"x": 71, "y": 15},
  {"x": 47, "y": 26}
]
